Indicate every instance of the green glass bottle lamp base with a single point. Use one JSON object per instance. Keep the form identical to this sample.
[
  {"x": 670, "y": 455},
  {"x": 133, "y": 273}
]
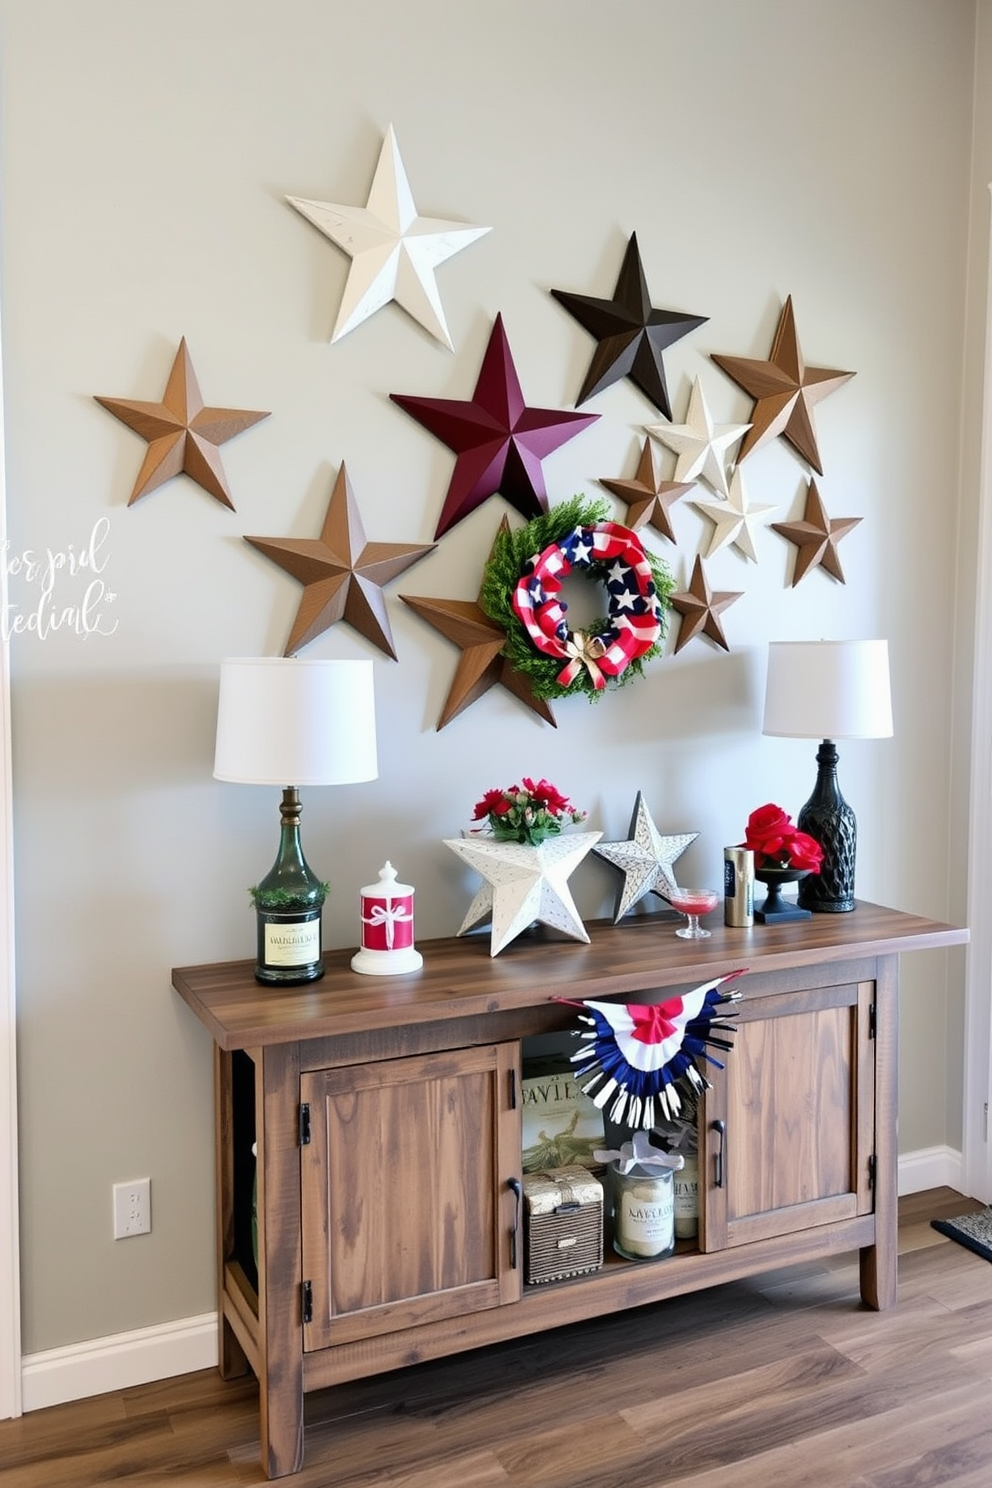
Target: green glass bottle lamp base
[{"x": 288, "y": 904}]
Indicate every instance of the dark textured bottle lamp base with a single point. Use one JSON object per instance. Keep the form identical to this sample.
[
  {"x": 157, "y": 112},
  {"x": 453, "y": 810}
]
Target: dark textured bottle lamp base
[{"x": 829, "y": 819}]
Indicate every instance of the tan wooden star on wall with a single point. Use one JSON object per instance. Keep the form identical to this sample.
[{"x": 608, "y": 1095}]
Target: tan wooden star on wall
[
  {"x": 786, "y": 392},
  {"x": 700, "y": 608},
  {"x": 481, "y": 664},
  {"x": 342, "y": 574},
  {"x": 648, "y": 498},
  {"x": 816, "y": 537},
  {"x": 182, "y": 434}
]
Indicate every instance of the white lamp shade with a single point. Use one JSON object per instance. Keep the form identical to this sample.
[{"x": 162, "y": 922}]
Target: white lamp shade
[
  {"x": 828, "y": 690},
  {"x": 286, "y": 721}
]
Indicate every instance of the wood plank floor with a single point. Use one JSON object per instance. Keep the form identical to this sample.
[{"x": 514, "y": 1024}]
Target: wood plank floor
[{"x": 782, "y": 1379}]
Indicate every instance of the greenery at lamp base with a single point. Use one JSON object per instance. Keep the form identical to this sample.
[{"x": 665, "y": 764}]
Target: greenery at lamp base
[
  {"x": 288, "y": 903},
  {"x": 827, "y": 817}
]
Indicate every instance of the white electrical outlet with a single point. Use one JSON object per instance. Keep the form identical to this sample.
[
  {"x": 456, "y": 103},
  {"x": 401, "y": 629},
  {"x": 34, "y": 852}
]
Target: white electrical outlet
[{"x": 132, "y": 1208}]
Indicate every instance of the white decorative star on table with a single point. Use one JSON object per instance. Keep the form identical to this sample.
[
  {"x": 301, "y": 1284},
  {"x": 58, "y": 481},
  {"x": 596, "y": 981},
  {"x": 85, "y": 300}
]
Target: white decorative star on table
[
  {"x": 646, "y": 859},
  {"x": 393, "y": 251},
  {"x": 523, "y": 883},
  {"x": 700, "y": 446},
  {"x": 733, "y": 519}
]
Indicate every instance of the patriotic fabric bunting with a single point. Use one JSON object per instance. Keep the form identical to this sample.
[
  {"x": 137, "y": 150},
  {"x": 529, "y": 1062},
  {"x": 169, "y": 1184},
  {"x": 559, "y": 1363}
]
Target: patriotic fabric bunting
[
  {"x": 633, "y": 625},
  {"x": 633, "y": 1055}
]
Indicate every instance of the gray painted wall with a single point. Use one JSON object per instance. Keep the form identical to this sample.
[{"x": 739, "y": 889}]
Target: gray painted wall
[{"x": 758, "y": 150}]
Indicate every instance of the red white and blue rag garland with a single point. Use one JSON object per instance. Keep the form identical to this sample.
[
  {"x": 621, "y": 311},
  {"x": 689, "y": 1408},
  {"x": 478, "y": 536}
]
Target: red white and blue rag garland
[
  {"x": 634, "y": 1054},
  {"x": 633, "y": 625}
]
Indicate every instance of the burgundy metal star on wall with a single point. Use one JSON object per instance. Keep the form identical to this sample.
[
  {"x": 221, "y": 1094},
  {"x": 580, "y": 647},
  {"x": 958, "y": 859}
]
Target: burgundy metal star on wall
[
  {"x": 631, "y": 333},
  {"x": 816, "y": 537},
  {"x": 182, "y": 434},
  {"x": 481, "y": 664},
  {"x": 648, "y": 498},
  {"x": 498, "y": 440},
  {"x": 342, "y": 574},
  {"x": 700, "y": 608},
  {"x": 786, "y": 391}
]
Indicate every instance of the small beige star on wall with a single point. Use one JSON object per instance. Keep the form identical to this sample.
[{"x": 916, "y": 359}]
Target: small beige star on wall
[
  {"x": 701, "y": 447},
  {"x": 734, "y": 519},
  {"x": 182, "y": 434},
  {"x": 701, "y": 608},
  {"x": 342, "y": 574},
  {"x": 816, "y": 537}
]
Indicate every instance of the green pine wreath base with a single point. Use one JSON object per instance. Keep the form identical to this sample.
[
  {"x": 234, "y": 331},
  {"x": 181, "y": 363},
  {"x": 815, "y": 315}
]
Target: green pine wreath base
[{"x": 512, "y": 551}]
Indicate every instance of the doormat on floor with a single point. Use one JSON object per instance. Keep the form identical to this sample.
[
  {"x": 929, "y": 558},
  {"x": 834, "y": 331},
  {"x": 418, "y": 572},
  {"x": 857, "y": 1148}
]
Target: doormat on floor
[{"x": 972, "y": 1230}]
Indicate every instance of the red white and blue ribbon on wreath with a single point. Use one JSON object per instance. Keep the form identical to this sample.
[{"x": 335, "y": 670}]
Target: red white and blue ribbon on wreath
[
  {"x": 634, "y": 620},
  {"x": 634, "y": 1054}
]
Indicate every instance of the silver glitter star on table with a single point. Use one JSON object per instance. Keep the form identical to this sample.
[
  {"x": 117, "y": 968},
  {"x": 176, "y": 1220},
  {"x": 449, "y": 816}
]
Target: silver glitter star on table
[{"x": 646, "y": 859}]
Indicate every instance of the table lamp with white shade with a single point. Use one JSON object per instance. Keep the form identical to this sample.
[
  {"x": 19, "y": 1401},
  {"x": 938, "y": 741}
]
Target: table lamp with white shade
[
  {"x": 828, "y": 690},
  {"x": 290, "y": 722}
]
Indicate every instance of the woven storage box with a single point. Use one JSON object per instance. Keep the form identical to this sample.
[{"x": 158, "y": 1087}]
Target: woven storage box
[{"x": 563, "y": 1223}]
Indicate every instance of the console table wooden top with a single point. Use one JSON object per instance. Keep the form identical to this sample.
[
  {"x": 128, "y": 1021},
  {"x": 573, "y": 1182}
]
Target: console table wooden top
[{"x": 459, "y": 978}]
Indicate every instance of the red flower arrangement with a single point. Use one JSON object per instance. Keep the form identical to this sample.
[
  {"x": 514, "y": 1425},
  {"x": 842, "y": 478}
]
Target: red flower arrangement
[
  {"x": 776, "y": 843},
  {"x": 528, "y": 812}
]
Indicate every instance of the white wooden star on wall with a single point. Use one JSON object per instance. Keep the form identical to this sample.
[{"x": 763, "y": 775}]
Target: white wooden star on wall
[
  {"x": 701, "y": 447},
  {"x": 734, "y": 519},
  {"x": 523, "y": 884},
  {"x": 393, "y": 251}
]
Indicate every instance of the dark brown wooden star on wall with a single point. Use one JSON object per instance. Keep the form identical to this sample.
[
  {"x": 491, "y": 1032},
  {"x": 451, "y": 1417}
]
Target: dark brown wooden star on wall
[
  {"x": 786, "y": 391},
  {"x": 631, "y": 333},
  {"x": 701, "y": 608},
  {"x": 342, "y": 574},
  {"x": 816, "y": 537},
  {"x": 481, "y": 664},
  {"x": 648, "y": 498},
  {"x": 182, "y": 434}
]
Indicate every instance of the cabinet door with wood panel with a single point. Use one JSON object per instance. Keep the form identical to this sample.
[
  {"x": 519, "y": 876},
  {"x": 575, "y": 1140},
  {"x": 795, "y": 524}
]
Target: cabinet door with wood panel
[
  {"x": 410, "y": 1184},
  {"x": 789, "y": 1127}
]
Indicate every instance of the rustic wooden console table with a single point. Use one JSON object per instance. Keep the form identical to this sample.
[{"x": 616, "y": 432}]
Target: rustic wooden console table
[{"x": 387, "y": 1125}]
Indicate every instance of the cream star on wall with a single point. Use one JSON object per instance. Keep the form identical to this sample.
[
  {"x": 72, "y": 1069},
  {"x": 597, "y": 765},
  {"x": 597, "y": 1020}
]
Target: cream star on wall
[
  {"x": 701, "y": 447},
  {"x": 733, "y": 519},
  {"x": 393, "y": 251},
  {"x": 523, "y": 884}
]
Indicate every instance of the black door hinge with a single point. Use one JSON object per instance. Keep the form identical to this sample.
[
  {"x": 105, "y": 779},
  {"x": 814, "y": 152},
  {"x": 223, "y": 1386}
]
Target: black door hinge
[
  {"x": 308, "y": 1302},
  {"x": 871, "y": 1171},
  {"x": 513, "y": 1090},
  {"x": 871, "y": 1021},
  {"x": 304, "y": 1125}
]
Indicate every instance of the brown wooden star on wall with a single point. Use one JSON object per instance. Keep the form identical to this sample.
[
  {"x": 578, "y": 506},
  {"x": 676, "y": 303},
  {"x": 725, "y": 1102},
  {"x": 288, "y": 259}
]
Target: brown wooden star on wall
[
  {"x": 700, "y": 609},
  {"x": 786, "y": 391},
  {"x": 481, "y": 664},
  {"x": 182, "y": 434},
  {"x": 816, "y": 537},
  {"x": 342, "y": 574},
  {"x": 648, "y": 499}
]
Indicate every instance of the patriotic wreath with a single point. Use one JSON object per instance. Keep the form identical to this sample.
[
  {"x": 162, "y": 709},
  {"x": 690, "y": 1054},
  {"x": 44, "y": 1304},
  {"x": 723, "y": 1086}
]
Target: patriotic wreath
[{"x": 521, "y": 590}]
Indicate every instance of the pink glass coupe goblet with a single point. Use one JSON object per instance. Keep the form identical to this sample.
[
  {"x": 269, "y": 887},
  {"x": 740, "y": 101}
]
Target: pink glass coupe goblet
[{"x": 693, "y": 903}]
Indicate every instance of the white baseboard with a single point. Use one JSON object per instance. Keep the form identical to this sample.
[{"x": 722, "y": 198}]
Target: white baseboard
[
  {"x": 931, "y": 1167},
  {"x": 118, "y": 1361},
  {"x": 126, "y": 1359}
]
